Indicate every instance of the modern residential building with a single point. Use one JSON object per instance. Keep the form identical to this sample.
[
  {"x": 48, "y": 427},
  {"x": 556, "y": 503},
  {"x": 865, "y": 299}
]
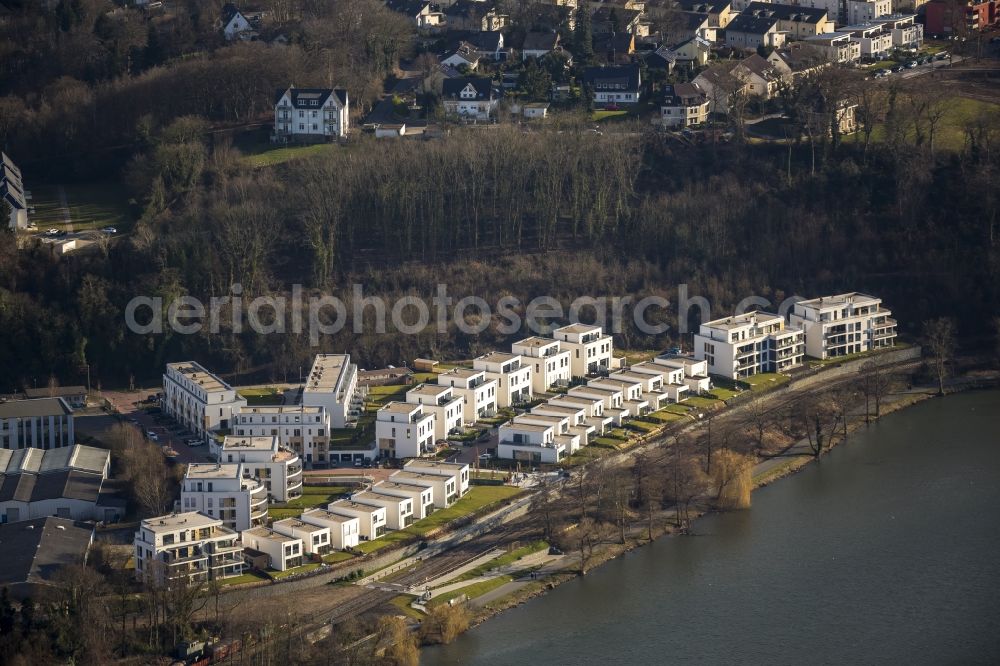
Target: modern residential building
[
  {"x": 720, "y": 12},
  {"x": 838, "y": 46},
  {"x": 283, "y": 551},
  {"x": 684, "y": 105},
  {"x": 304, "y": 430},
  {"x": 844, "y": 324},
  {"x": 905, "y": 30},
  {"x": 315, "y": 538},
  {"x": 530, "y": 442},
  {"x": 551, "y": 365},
  {"x": 593, "y": 410},
  {"x": 35, "y": 552},
  {"x": 479, "y": 394},
  {"x": 744, "y": 345},
  {"x": 695, "y": 371},
  {"x": 344, "y": 530},
  {"x": 469, "y": 97},
  {"x": 591, "y": 351},
  {"x": 227, "y": 492},
  {"x": 371, "y": 518},
  {"x": 189, "y": 546},
  {"x": 445, "y": 488},
  {"x": 441, "y": 401},
  {"x": 575, "y": 417},
  {"x": 398, "y": 510},
  {"x": 454, "y": 470},
  {"x": 512, "y": 374},
  {"x": 612, "y": 399},
  {"x": 672, "y": 378},
  {"x": 652, "y": 386},
  {"x": 43, "y": 423},
  {"x": 749, "y": 31},
  {"x": 12, "y": 193},
  {"x": 333, "y": 384},
  {"x": 199, "y": 400},
  {"x": 632, "y": 399},
  {"x": 310, "y": 114},
  {"x": 404, "y": 430},
  {"x": 278, "y": 468},
  {"x": 421, "y": 496},
  {"x": 621, "y": 84},
  {"x": 69, "y": 483},
  {"x": 794, "y": 20},
  {"x": 865, "y": 11},
  {"x": 873, "y": 38}
]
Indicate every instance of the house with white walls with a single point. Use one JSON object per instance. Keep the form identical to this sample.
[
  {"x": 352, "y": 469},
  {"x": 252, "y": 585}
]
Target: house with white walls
[
  {"x": 695, "y": 371},
  {"x": 448, "y": 409},
  {"x": 632, "y": 398},
  {"x": 591, "y": 351},
  {"x": 844, "y": 324},
  {"x": 593, "y": 410},
  {"x": 278, "y": 468},
  {"x": 743, "y": 345},
  {"x": 283, "y": 552},
  {"x": 310, "y": 114},
  {"x": 371, "y": 518},
  {"x": 551, "y": 365},
  {"x": 227, "y": 492},
  {"x": 672, "y": 378},
  {"x": 444, "y": 487},
  {"x": 614, "y": 401},
  {"x": 332, "y": 383},
  {"x": 344, "y": 530},
  {"x": 398, "y": 510},
  {"x": 186, "y": 546},
  {"x": 575, "y": 416},
  {"x": 422, "y": 496},
  {"x": 478, "y": 392},
  {"x": 456, "y": 470},
  {"x": 199, "y": 400},
  {"x": 532, "y": 443},
  {"x": 316, "y": 539},
  {"x": 512, "y": 374},
  {"x": 404, "y": 430}
]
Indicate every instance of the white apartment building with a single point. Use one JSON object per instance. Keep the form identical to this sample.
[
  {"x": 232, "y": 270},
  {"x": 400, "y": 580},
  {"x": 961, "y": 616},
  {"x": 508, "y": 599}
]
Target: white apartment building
[
  {"x": 905, "y": 30},
  {"x": 448, "y": 409},
  {"x": 530, "y": 442},
  {"x": 371, "y": 518},
  {"x": 186, "y": 545},
  {"x": 421, "y": 496},
  {"x": 445, "y": 488},
  {"x": 844, "y": 324},
  {"x": 632, "y": 398},
  {"x": 344, "y": 530},
  {"x": 404, "y": 430},
  {"x": 873, "y": 39},
  {"x": 333, "y": 384},
  {"x": 457, "y": 471},
  {"x": 398, "y": 510},
  {"x": 838, "y": 47},
  {"x": 614, "y": 401},
  {"x": 695, "y": 371},
  {"x": 512, "y": 374},
  {"x": 591, "y": 351},
  {"x": 199, "y": 400},
  {"x": 550, "y": 363},
  {"x": 42, "y": 423},
  {"x": 672, "y": 378},
  {"x": 315, "y": 538},
  {"x": 593, "y": 410},
  {"x": 279, "y": 469},
  {"x": 576, "y": 418},
  {"x": 748, "y": 344},
  {"x": 283, "y": 552},
  {"x": 311, "y": 114},
  {"x": 478, "y": 392},
  {"x": 304, "y": 430},
  {"x": 652, "y": 386},
  {"x": 865, "y": 11},
  {"x": 224, "y": 492}
]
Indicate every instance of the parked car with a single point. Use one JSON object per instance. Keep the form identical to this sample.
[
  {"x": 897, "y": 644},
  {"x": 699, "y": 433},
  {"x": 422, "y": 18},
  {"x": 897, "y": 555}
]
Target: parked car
[
  {"x": 109, "y": 230},
  {"x": 52, "y": 232},
  {"x": 194, "y": 441},
  {"x": 911, "y": 65},
  {"x": 153, "y": 436}
]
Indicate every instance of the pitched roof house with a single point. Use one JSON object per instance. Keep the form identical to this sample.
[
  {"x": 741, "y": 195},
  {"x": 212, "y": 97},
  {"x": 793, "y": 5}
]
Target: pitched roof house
[
  {"x": 469, "y": 97},
  {"x": 684, "y": 105},
  {"x": 310, "y": 114},
  {"x": 538, "y": 44},
  {"x": 240, "y": 23},
  {"x": 614, "y": 85}
]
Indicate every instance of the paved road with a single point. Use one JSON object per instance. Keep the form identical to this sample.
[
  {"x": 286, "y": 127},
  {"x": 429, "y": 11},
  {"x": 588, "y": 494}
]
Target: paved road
[{"x": 127, "y": 404}]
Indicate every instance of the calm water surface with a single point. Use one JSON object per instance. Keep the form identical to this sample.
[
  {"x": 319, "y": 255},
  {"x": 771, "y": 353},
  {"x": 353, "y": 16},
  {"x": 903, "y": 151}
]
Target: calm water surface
[{"x": 886, "y": 551}]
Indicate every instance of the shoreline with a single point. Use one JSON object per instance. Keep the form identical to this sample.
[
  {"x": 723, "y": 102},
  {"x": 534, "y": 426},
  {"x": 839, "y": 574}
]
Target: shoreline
[{"x": 795, "y": 463}]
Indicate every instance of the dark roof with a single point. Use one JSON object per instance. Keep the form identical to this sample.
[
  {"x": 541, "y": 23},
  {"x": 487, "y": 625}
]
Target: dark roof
[
  {"x": 676, "y": 94},
  {"x": 452, "y": 87},
  {"x": 9, "y": 164},
  {"x": 540, "y": 41},
  {"x": 759, "y": 66},
  {"x": 619, "y": 42},
  {"x": 787, "y": 12},
  {"x": 302, "y": 97},
  {"x": 704, "y": 6},
  {"x": 721, "y": 76},
  {"x": 229, "y": 10},
  {"x": 71, "y": 484},
  {"x": 34, "y": 550},
  {"x": 468, "y": 8},
  {"x": 57, "y": 392},
  {"x": 694, "y": 20},
  {"x": 12, "y": 195},
  {"x": 625, "y": 16},
  {"x": 754, "y": 23},
  {"x": 37, "y": 407},
  {"x": 410, "y": 7},
  {"x": 488, "y": 40},
  {"x": 601, "y": 77}
]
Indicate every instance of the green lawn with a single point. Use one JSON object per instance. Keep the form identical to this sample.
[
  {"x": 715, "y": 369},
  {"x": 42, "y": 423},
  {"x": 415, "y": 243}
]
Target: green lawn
[
  {"x": 337, "y": 556},
  {"x": 588, "y": 453},
  {"x": 723, "y": 393},
  {"x": 665, "y": 415},
  {"x": 766, "y": 381},
  {"x": 90, "y": 206},
  {"x": 262, "y": 396},
  {"x": 638, "y": 355},
  {"x": 950, "y": 135},
  {"x": 265, "y": 155},
  {"x": 605, "y": 115},
  {"x": 643, "y": 426},
  {"x": 471, "y": 591},
  {"x": 402, "y": 602},
  {"x": 312, "y": 496},
  {"x": 701, "y": 402},
  {"x": 503, "y": 560},
  {"x": 305, "y": 568},
  {"x": 244, "y": 578}
]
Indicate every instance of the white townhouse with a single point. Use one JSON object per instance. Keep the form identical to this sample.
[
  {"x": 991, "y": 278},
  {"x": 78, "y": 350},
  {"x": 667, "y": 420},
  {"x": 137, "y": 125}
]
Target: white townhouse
[
  {"x": 872, "y": 38},
  {"x": 478, "y": 392},
  {"x": 673, "y": 378},
  {"x": 371, "y": 518},
  {"x": 695, "y": 371},
  {"x": 455, "y": 470},
  {"x": 838, "y": 47},
  {"x": 333, "y": 384},
  {"x": 550, "y": 363},
  {"x": 398, "y": 510},
  {"x": 614, "y": 401},
  {"x": 593, "y": 409},
  {"x": 445, "y": 488},
  {"x": 864, "y": 11},
  {"x": 315, "y": 538},
  {"x": 632, "y": 398},
  {"x": 448, "y": 409},
  {"x": 225, "y": 492},
  {"x": 199, "y": 400},
  {"x": 903, "y": 28},
  {"x": 283, "y": 552},
  {"x": 512, "y": 374},
  {"x": 422, "y": 496},
  {"x": 576, "y": 418},
  {"x": 844, "y": 324},
  {"x": 591, "y": 351},
  {"x": 311, "y": 114},
  {"x": 404, "y": 430},
  {"x": 279, "y": 469},
  {"x": 42, "y": 423},
  {"x": 530, "y": 442},
  {"x": 188, "y": 546},
  {"x": 344, "y": 530},
  {"x": 652, "y": 386},
  {"x": 743, "y": 345}
]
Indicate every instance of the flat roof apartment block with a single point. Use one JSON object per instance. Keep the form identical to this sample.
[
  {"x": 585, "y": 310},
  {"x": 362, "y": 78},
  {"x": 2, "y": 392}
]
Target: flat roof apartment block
[
  {"x": 333, "y": 383},
  {"x": 198, "y": 399},
  {"x": 186, "y": 545},
  {"x": 844, "y": 324}
]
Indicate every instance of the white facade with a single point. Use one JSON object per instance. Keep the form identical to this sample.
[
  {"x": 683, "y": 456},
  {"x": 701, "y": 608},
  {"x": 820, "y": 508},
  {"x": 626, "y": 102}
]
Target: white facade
[
  {"x": 315, "y": 538},
  {"x": 333, "y": 384},
  {"x": 279, "y": 469},
  {"x": 478, "y": 392},
  {"x": 593, "y": 410},
  {"x": 398, "y": 510},
  {"x": 305, "y": 430},
  {"x": 283, "y": 552},
  {"x": 695, "y": 371},
  {"x": 235, "y": 26},
  {"x": 591, "y": 351},
  {"x": 371, "y": 518},
  {"x": 530, "y": 443},
  {"x": 404, "y": 430},
  {"x": 550, "y": 364},
  {"x": 457, "y": 471},
  {"x": 344, "y": 530},
  {"x": 512, "y": 374},
  {"x": 614, "y": 402},
  {"x": 225, "y": 492},
  {"x": 872, "y": 38},
  {"x": 844, "y": 324},
  {"x": 631, "y": 391},
  {"x": 441, "y": 401},
  {"x": 422, "y": 496},
  {"x": 186, "y": 545},
  {"x": 749, "y": 344},
  {"x": 42, "y": 423},
  {"x": 863, "y": 11},
  {"x": 576, "y": 420},
  {"x": 839, "y": 47},
  {"x": 444, "y": 487},
  {"x": 311, "y": 113},
  {"x": 673, "y": 378},
  {"x": 199, "y": 400}
]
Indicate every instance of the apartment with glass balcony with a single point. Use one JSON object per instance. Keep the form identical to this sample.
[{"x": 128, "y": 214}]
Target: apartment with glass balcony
[
  {"x": 591, "y": 351},
  {"x": 844, "y": 324},
  {"x": 371, "y": 518},
  {"x": 344, "y": 530},
  {"x": 448, "y": 409},
  {"x": 316, "y": 539},
  {"x": 748, "y": 344},
  {"x": 404, "y": 430},
  {"x": 532, "y": 443},
  {"x": 304, "y": 430},
  {"x": 199, "y": 400},
  {"x": 186, "y": 546},
  {"x": 227, "y": 492},
  {"x": 551, "y": 365},
  {"x": 332, "y": 383},
  {"x": 311, "y": 114},
  {"x": 478, "y": 392},
  {"x": 278, "y": 468},
  {"x": 283, "y": 552},
  {"x": 512, "y": 375}
]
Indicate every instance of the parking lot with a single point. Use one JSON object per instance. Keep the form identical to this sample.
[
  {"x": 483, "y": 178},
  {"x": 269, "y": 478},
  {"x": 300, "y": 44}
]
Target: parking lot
[{"x": 156, "y": 426}]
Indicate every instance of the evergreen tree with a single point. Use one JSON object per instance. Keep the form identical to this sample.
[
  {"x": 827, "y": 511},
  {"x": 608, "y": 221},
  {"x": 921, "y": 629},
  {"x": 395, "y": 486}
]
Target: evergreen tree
[{"x": 583, "y": 39}]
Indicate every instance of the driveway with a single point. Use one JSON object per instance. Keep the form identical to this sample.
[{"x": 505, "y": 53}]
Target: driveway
[{"x": 127, "y": 404}]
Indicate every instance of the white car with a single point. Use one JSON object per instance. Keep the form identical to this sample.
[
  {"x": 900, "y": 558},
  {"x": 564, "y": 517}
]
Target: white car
[
  {"x": 109, "y": 230},
  {"x": 153, "y": 436},
  {"x": 52, "y": 232}
]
